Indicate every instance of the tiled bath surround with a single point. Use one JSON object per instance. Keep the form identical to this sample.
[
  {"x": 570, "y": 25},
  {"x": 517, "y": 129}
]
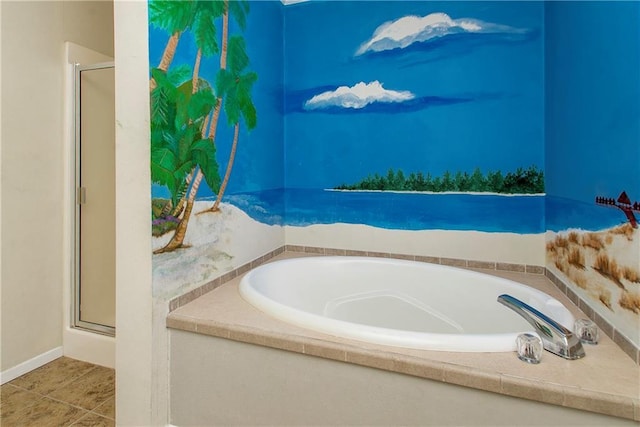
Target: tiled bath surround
[
  {"x": 603, "y": 382},
  {"x": 623, "y": 342},
  {"x": 628, "y": 347}
]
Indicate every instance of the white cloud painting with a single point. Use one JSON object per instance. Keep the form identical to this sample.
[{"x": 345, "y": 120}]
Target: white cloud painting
[
  {"x": 357, "y": 96},
  {"x": 409, "y": 30}
]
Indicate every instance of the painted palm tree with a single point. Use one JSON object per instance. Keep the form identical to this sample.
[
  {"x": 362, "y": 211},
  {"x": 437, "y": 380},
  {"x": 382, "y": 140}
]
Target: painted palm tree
[
  {"x": 178, "y": 117},
  {"x": 234, "y": 86},
  {"x": 165, "y": 167},
  {"x": 238, "y": 9},
  {"x": 204, "y": 33},
  {"x": 204, "y": 14},
  {"x": 173, "y": 16},
  {"x": 202, "y": 26}
]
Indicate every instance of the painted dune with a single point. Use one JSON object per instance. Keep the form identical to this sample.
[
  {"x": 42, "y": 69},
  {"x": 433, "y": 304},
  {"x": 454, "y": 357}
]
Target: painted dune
[{"x": 604, "y": 267}]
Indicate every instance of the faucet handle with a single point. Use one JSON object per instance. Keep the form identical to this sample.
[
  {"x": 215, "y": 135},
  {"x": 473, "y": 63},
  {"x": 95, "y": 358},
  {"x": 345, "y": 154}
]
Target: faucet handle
[
  {"x": 555, "y": 338},
  {"x": 529, "y": 348},
  {"x": 587, "y": 331}
]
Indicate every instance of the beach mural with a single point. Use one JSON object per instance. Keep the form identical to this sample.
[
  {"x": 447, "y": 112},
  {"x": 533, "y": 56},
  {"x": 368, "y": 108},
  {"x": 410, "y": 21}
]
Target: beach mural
[
  {"x": 593, "y": 157},
  {"x": 214, "y": 74},
  {"x": 414, "y": 116},
  {"x": 404, "y": 116},
  {"x": 425, "y": 121}
]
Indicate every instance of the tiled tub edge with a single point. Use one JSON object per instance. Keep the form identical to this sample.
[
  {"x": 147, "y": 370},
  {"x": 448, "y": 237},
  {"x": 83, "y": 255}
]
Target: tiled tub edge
[
  {"x": 505, "y": 384},
  {"x": 187, "y": 297},
  {"x": 623, "y": 342}
]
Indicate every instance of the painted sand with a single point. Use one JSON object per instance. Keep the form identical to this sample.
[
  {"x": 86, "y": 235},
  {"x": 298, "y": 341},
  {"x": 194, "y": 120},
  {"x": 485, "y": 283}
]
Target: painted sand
[
  {"x": 218, "y": 242},
  {"x": 604, "y": 267}
]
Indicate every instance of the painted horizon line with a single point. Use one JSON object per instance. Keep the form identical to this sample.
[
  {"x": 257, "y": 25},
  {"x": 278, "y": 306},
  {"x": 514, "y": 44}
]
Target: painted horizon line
[{"x": 471, "y": 193}]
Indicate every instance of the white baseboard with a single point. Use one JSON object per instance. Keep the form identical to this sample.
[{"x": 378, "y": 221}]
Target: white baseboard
[
  {"x": 89, "y": 347},
  {"x": 30, "y": 365}
]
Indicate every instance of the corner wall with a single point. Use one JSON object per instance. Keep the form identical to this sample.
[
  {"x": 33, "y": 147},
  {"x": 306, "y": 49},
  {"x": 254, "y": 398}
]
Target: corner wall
[
  {"x": 427, "y": 128},
  {"x": 242, "y": 164},
  {"x": 139, "y": 361},
  {"x": 33, "y": 36},
  {"x": 593, "y": 155}
]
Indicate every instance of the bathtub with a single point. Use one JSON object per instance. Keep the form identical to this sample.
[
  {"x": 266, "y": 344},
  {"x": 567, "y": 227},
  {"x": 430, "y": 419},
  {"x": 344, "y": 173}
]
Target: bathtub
[{"x": 396, "y": 302}]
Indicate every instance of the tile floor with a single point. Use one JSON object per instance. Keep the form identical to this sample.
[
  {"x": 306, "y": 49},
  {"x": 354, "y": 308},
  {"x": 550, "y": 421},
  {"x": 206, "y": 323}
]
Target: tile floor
[{"x": 65, "y": 392}]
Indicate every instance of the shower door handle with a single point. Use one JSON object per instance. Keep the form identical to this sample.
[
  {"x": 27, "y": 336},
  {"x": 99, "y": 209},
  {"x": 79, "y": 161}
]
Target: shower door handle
[{"x": 81, "y": 195}]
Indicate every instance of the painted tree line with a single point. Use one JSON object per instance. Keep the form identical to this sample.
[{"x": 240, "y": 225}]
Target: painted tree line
[
  {"x": 521, "y": 181},
  {"x": 185, "y": 107}
]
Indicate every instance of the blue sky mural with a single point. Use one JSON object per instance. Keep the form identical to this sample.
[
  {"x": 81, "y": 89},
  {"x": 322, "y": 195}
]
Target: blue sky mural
[
  {"x": 259, "y": 162},
  {"x": 351, "y": 88},
  {"x": 417, "y": 86},
  {"x": 593, "y": 99}
]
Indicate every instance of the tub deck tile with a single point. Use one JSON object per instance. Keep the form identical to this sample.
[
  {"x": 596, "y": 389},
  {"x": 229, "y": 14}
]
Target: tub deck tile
[
  {"x": 470, "y": 377},
  {"x": 213, "y": 329},
  {"x": 419, "y": 368},
  {"x": 371, "y": 359},
  {"x": 606, "y": 381},
  {"x": 325, "y": 350},
  {"x": 532, "y": 390},
  {"x": 617, "y": 406}
]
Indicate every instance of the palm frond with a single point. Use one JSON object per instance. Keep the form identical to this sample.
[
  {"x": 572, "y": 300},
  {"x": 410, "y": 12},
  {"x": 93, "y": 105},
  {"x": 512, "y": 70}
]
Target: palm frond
[
  {"x": 204, "y": 154},
  {"x": 179, "y": 74},
  {"x": 171, "y": 15},
  {"x": 239, "y": 9},
  {"x": 237, "y": 58},
  {"x": 204, "y": 32},
  {"x": 201, "y": 103}
]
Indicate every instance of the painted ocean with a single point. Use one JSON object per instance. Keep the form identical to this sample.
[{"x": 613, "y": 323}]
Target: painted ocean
[{"x": 420, "y": 211}]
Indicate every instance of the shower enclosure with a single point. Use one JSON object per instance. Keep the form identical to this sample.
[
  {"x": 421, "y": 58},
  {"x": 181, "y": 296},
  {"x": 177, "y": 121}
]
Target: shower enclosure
[{"x": 93, "y": 306}]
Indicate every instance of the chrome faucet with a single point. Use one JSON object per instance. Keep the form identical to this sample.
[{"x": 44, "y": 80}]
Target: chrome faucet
[{"x": 555, "y": 338}]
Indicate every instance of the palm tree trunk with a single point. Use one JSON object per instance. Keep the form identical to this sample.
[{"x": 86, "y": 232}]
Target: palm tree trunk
[
  {"x": 187, "y": 181},
  {"x": 223, "y": 66},
  {"x": 167, "y": 56},
  {"x": 225, "y": 36},
  {"x": 214, "y": 120},
  {"x": 227, "y": 174},
  {"x": 168, "y": 208},
  {"x": 177, "y": 241},
  {"x": 196, "y": 72},
  {"x": 183, "y": 198},
  {"x": 216, "y": 111}
]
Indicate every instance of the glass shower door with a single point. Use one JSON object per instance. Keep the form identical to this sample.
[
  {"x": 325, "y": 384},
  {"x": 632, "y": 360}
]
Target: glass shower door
[{"x": 95, "y": 198}]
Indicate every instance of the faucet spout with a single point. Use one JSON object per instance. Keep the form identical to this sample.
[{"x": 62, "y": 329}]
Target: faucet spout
[{"x": 555, "y": 338}]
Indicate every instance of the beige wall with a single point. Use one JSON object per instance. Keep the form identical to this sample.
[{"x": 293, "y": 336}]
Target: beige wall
[
  {"x": 33, "y": 35},
  {"x": 141, "y": 350},
  {"x": 89, "y": 23}
]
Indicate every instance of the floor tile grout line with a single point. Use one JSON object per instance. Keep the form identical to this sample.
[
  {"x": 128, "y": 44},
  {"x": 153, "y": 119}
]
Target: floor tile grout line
[
  {"x": 23, "y": 389},
  {"x": 93, "y": 368},
  {"x": 37, "y": 396},
  {"x": 75, "y": 422},
  {"x": 55, "y": 399},
  {"x": 97, "y": 407},
  {"x": 84, "y": 412},
  {"x": 64, "y": 384},
  {"x": 76, "y": 406},
  {"x": 101, "y": 415}
]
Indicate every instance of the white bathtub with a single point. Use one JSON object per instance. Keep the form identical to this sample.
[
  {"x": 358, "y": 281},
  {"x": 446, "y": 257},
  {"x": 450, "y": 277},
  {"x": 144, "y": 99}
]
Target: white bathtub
[{"x": 396, "y": 302}]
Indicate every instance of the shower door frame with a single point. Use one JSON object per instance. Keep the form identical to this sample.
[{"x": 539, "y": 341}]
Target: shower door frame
[{"x": 78, "y": 200}]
